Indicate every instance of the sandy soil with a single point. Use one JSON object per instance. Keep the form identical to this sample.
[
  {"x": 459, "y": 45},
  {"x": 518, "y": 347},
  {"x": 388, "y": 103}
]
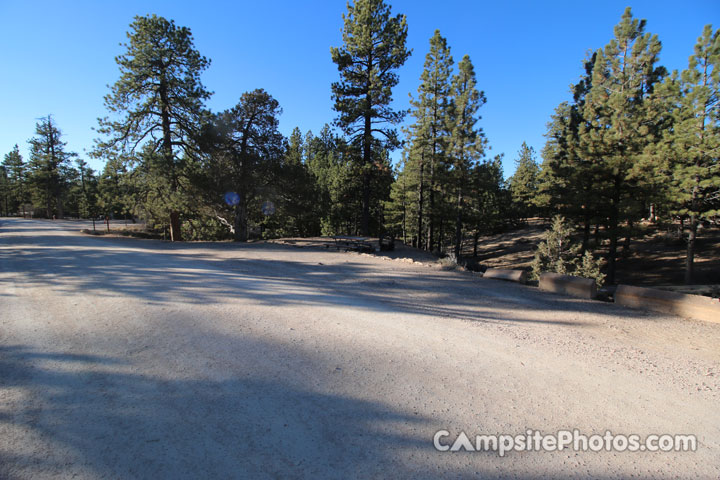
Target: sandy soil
[{"x": 128, "y": 358}]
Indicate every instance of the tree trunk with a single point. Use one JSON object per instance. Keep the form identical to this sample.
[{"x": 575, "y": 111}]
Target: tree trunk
[
  {"x": 175, "y": 223},
  {"x": 458, "y": 226},
  {"x": 421, "y": 193},
  {"x": 367, "y": 159},
  {"x": 441, "y": 239},
  {"x": 431, "y": 208},
  {"x": 690, "y": 259},
  {"x": 175, "y": 226},
  {"x": 404, "y": 222},
  {"x": 240, "y": 222},
  {"x": 365, "y": 225},
  {"x": 613, "y": 230},
  {"x": 586, "y": 234},
  {"x": 52, "y": 169},
  {"x": 628, "y": 237}
]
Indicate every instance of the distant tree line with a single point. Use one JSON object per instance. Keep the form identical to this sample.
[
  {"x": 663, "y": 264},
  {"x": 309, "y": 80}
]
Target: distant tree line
[{"x": 635, "y": 141}]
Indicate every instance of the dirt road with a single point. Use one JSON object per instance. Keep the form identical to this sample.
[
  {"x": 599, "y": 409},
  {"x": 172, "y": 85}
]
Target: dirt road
[{"x": 126, "y": 358}]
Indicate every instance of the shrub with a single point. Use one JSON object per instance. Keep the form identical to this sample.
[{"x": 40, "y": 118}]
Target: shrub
[{"x": 557, "y": 253}]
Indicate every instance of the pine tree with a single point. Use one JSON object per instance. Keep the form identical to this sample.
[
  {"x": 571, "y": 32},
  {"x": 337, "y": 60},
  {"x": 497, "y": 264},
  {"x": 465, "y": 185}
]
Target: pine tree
[
  {"x": 373, "y": 49},
  {"x": 524, "y": 182},
  {"x": 557, "y": 253},
  {"x": 568, "y": 181},
  {"x": 84, "y": 191},
  {"x": 409, "y": 192},
  {"x": 15, "y": 174},
  {"x": 330, "y": 160},
  {"x": 617, "y": 107},
  {"x": 48, "y": 167},
  {"x": 298, "y": 193},
  {"x": 244, "y": 151},
  {"x": 399, "y": 207},
  {"x": 692, "y": 145},
  {"x": 428, "y": 135},
  {"x": 490, "y": 200},
  {"x": 4, "y": 191},
  {"x": 157, "y": 104},
  {"x": 113, "y": 190},
  {"x": 467, "y": 142}
]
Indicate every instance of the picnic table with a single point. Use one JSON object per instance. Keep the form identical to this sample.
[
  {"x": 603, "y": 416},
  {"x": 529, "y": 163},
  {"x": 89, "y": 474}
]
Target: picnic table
[{"x": 358, "y": 244}]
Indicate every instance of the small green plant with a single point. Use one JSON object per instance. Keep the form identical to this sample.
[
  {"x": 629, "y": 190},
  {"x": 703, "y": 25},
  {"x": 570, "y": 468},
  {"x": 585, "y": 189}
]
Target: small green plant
[{"x": 558, "y": 254}]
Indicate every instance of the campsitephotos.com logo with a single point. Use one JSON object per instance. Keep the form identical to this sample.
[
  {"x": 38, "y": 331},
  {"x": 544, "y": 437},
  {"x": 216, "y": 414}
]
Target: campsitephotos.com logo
[{"x": 536, "y": 441}]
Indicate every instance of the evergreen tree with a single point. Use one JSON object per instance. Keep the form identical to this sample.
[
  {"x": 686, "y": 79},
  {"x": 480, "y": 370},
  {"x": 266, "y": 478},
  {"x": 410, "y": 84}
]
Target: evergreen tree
[
  {"x": 467, "y": 142},
  {"x": 429, "y": 135},
  {"x": 523, "y": 183},
  {"x": 157, "y": 104},
  {"x": 399, "y": 208},
  {"x": 554, "y": 182},
  {"x": 4, "y": 191},
  {"x": 48, "y": 168},
  {"x": 16, "y": 188},
  {"x": 113, "y": 197},
  {"x": 244, "y": 151},
  {"x": 692, "y": 146},
  {"x": 84, "y": 191},
  {"x": 407, "y": 205},
  {"x": 373, "y": 48},
  {"x": 557, "y": 253},
  {"x": 340, "y": 188},
  {"x": 490, "y": 200},
  {"x": 617, "y": 106},
  {"x": 568, "y": 179},
  {"x": 298, "y": 211}
]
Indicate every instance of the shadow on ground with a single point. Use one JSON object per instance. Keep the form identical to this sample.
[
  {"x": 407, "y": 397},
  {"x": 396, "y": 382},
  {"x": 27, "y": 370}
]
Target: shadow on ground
[
  {"x": 157, "y": 272},
  {"x": 113, "y": 416},
  {"x": 125, "y": 425}
]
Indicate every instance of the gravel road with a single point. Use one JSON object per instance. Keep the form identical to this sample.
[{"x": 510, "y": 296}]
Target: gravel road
[{"x": 126, "y": 358}]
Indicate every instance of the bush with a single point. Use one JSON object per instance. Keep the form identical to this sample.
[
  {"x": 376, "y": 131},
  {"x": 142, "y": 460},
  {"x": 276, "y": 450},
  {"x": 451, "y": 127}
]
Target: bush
[{"x": 558, "y": 254}]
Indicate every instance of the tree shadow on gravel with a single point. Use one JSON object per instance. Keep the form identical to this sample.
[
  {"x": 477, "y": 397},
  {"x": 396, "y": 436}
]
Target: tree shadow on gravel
[{"x": 91, "y": 416}]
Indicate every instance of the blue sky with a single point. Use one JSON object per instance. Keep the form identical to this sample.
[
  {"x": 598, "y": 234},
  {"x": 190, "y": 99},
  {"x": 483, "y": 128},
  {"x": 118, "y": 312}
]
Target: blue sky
[{"x": 58, "y": 57}]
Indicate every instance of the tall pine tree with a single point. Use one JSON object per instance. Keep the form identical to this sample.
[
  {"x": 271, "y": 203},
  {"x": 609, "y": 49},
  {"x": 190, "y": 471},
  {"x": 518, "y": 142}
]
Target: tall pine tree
[
  {"x": 48, "y": 168},
  {"x": 617, "y": 107},
  {"x": 245, "y": 150},
  {"x": 373, "y": 49},
  {"x": 524, "y": 182},
  {"x": 15, "y": 172},
  {"x": 467, "y": 141},
  {"x": 429, "y": 134},
  {"x": 692, "y": 146},
  {"x": 157, "y": 104}
]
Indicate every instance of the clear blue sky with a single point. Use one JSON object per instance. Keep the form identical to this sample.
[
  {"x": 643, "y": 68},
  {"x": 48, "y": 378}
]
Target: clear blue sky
[{"x": 58, "y": 57}]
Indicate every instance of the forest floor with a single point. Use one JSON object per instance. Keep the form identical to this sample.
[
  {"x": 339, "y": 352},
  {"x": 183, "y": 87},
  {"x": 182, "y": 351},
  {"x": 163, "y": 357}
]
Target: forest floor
[{"x": 655, "y": 256}]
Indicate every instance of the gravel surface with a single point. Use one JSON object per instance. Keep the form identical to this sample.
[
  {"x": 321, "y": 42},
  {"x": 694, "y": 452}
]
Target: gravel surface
[{"x": 127, "y": 358}]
